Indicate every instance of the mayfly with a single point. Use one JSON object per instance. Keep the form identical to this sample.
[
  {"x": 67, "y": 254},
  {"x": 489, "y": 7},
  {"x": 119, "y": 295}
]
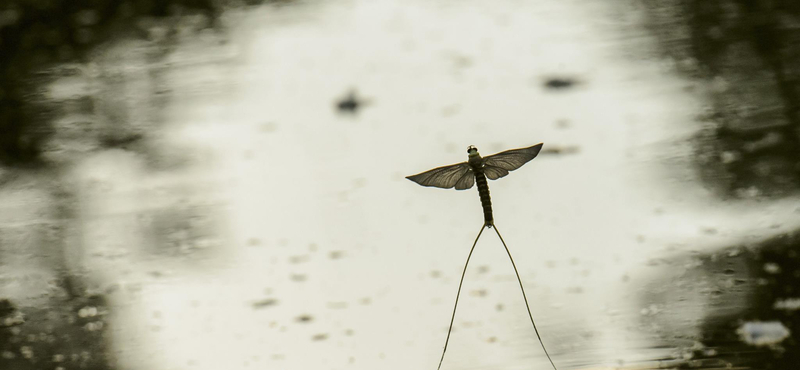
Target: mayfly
[{"x": 463, "y": 176}]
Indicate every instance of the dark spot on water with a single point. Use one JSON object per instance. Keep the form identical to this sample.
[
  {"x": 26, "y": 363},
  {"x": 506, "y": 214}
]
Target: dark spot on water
[
  {"x": 559, "y": 150},
  {"x": 479, "y": 293},
  {"x": 299, "y": 259},
  {"x": 120, "y": 141},
  {"x": 304, "y": 318},
  {"x": 350, "y": 104},
  {"x": 559, "y": 83},
  {"x": 319, "y": 337},
  {"x": 265, "y": 303}
]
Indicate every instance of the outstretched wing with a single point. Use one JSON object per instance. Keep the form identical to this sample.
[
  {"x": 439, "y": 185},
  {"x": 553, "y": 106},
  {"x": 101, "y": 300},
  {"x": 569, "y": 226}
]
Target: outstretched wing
[
  {"x": 497, "y": 165},
  {"x": 458, "y": 175}
]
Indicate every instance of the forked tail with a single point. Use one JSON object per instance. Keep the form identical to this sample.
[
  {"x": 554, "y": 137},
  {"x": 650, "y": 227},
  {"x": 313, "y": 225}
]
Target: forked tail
[{"x": 524, "y": 297}]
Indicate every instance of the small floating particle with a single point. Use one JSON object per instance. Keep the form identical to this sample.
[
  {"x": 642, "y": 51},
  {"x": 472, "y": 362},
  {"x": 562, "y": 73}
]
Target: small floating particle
[
  {"x": 304, "y": 318},
  {"x": 556, "y": 150},
  {"x": 559, "y": 83},
  {"x": 265, "y": 303},
  {"x": 478, "y": 293},
  {"x": 772, "y": 268},
  {"x": 319, "y": 337},
  {"x": 350, "y": 103},
  {"x": 299, "y": 259}
]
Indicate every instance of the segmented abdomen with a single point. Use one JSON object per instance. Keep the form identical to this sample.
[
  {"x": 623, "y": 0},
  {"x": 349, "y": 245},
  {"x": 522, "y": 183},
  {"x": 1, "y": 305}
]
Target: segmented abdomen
[{"x": 486, "y": 200}]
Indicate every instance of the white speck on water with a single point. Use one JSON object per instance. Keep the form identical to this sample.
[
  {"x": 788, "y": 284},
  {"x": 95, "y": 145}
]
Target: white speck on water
[
  {"x": 772, "y": 268},
  {"x": 789, "y": 304},
  {"x": 762, "y": 333},
  {"x": 87, "y": 312}
]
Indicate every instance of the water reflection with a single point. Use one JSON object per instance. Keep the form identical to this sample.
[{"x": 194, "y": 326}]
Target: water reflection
[{"x": 205, "y": 198}]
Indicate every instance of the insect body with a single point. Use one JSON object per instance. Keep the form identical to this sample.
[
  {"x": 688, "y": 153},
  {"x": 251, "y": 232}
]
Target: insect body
[{"x": 463, "y": 175}]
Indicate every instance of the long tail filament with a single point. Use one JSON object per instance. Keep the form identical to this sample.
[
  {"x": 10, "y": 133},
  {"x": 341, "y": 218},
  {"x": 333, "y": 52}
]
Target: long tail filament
[{"x": 524, "y": 297}]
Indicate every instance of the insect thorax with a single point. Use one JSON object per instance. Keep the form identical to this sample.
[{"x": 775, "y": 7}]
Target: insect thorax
[{"x": 475, "y": 161}]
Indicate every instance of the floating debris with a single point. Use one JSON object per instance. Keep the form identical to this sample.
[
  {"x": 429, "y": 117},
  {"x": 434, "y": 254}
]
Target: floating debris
[
  {"x": 558, "y": 150},
  {"x": 319, "y": 337},
  {"x": 299, "y": 259},
  {"x": 350, "y": 104},
  {"x": 762, "y": 333},
  {"x": 304, "y": 318},
  {"x": 265, "y": 303},
  {"x": 559, "y": 83},
  {"x": 479, "y": 293}
]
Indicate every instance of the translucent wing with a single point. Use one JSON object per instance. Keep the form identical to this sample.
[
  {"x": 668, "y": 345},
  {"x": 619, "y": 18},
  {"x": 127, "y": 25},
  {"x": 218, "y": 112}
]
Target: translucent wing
[
  {"x": 494, "y": 173},
  {"x": 497, "y": 165},
  {"x": 466, "y": 181},
  {"x": 458, "y": 175}
]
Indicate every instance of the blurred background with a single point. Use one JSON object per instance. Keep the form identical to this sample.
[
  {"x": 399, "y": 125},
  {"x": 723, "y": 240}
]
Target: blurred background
[{"x": 214, "y": 184}]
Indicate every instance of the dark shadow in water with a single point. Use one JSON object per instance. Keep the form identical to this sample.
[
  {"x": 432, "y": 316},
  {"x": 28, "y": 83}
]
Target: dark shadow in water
[
  {"x": 65, "y": 326},
  {"x": 39, "y": 34},
  {"x": 746, "y": 55},
  {"x": 704, "y": 303},
  {"x": 773, "y": 269}
]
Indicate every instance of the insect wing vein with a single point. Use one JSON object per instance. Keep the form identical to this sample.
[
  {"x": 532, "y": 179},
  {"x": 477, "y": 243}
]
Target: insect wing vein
[
  {"x": 512, "y": 159},
  {"x": 494, "y": 172},
  {"x": 444, "y": 177}
]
